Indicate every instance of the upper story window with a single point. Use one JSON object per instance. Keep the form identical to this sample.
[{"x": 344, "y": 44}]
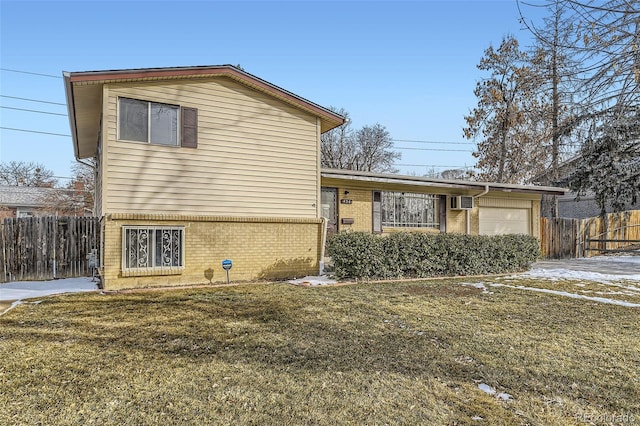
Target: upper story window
[
  {"x": 410, "y": 210},
  {"x": 157, "y": 123}
]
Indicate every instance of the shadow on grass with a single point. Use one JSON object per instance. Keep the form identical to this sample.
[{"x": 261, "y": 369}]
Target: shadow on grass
[{"x": 416, "y": 331}]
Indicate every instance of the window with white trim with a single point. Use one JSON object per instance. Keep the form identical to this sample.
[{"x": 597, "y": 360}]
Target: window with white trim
[
  {"x": 410, "y": 210},
  {"x": 152, "y": 247}
]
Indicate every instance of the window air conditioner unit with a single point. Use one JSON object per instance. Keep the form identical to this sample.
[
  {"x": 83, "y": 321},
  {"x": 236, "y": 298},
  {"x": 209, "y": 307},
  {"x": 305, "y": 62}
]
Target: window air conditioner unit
[{"x": 460, "y": 202}]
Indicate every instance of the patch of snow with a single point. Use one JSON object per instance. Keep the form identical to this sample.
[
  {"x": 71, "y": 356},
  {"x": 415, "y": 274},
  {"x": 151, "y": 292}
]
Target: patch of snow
[
  {"x": 503, "y": 396},
  {"x": 628, "y": 259},
  {"x": 572, "y": 295},
  {"x": 491, "y": 391},
  {"x": 480, "y": 286},
  {"x": 486, "y": 388},
  {"x": 569, "y": 274},
  {"x": 477, "y": 418},
  {"x": 19, "y": 290},
  {"x": 313, "y": 281}
]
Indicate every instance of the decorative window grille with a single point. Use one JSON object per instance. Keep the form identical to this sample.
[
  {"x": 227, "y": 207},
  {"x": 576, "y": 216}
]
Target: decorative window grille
[
  {"x": 410, "y": 210},
  {"x": 152, "y": 247}
]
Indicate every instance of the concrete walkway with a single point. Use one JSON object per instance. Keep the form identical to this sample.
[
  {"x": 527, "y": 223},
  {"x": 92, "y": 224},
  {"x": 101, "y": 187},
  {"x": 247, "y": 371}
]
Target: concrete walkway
[{"x": 19, "y": 290}]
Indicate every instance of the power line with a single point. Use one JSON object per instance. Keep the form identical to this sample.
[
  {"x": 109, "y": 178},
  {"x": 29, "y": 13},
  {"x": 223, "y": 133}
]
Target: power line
[
  {"x": 435, "y": 149},
  {"x": 433, "y": 165},
  {"x": 433, "y": 142},
  {"x": 33, "y": 100},
  {"x": 34, "y": 131},
  {"x": 33, "y": 110},
  {"x": 31, "y": 73}
]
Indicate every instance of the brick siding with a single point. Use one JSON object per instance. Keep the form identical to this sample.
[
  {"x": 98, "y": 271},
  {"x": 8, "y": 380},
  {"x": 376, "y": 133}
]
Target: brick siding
[{"x": 260, "y": 248}]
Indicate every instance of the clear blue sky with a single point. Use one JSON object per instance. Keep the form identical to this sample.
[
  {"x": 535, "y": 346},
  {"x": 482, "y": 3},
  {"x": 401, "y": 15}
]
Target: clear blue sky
[{"x": 410, "y": 66}]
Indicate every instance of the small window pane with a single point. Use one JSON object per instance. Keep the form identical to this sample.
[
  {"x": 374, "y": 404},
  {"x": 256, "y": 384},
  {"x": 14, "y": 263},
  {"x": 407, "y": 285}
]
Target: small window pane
[
  {"x": 164, "y": 124},
  {"x": 168, "y": 250},
  {"x": 137, "y": 247},
  {"x": 133, "y": 120}
]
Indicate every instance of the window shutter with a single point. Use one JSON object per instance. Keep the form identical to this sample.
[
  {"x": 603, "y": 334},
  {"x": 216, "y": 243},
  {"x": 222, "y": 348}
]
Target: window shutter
[
  {"x": 189, "y": 127},
  {"x": 377, "y": 212},
  {"x": 443, "y": 213}
]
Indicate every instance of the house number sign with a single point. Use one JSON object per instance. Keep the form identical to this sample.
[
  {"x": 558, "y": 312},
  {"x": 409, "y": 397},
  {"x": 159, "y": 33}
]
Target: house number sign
[{"x": 346, "y": 201}]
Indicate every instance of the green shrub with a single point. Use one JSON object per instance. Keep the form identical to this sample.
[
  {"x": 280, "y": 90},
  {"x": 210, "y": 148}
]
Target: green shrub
[{"x": 421, "y": 255}]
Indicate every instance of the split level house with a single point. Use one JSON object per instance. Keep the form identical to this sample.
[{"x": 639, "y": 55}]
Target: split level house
[{"x": 196, "y": 165}]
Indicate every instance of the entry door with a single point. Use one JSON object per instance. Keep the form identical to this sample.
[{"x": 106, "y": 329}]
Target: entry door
[{"x": 329, "y": 203}]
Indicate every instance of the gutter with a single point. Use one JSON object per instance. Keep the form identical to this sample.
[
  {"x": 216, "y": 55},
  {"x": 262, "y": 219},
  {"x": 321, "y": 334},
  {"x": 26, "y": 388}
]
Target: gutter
[
  {"x": 436, "y": 183},
  {"x": 486, "y": 190}
]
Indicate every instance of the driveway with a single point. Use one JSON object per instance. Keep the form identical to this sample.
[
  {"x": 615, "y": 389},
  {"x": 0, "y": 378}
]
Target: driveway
[{"x": 626, "y": 267}]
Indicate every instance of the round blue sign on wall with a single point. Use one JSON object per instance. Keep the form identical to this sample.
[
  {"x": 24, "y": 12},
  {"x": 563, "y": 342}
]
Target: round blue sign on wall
[{"x": 226, "y": 264}]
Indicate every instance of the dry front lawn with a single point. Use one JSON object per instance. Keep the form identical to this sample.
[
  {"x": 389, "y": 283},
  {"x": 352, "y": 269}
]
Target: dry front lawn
[{"x": 399, "y": 353}]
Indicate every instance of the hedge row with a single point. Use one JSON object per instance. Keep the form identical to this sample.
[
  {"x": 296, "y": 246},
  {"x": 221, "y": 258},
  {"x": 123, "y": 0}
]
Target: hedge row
[{"x": 421, "y": 255}]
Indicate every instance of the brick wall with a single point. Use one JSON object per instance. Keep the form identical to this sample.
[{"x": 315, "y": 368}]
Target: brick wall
[
  {"x": 260, "y": 248},
  {"x": 360, "y": 209},
  {"x": 6, "y": 212}
]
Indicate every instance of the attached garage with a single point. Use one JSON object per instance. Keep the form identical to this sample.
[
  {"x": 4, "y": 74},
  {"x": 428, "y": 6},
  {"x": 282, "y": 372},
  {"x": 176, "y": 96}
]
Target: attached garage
[
  {"x": 497, "y": 216},
  {"x": 497, "y": 221}
]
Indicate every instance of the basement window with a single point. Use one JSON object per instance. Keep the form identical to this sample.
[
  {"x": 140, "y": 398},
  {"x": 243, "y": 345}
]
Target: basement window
[
  {"x": 410, "y": 210},
  {"x": 152, "y": 247}
]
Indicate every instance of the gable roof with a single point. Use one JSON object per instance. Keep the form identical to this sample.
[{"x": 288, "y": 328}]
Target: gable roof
[
  {"x": 84, "y": 97},
  {"x": 438, "y": 183}
]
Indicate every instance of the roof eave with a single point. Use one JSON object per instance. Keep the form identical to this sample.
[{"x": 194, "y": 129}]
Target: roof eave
[
  {"x": 329, "y": 118},
  {"x": 68, "y": 88},
  {"x": 438, "y": 183}
]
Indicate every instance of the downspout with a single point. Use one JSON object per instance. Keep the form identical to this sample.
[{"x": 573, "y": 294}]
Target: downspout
[
  {"x": 322, "y": 246},
  {"x": 86, "y": 164},
  {"x": 468, "y": 214}
]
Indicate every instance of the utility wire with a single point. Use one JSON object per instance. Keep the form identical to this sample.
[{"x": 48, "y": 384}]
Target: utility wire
[
  {"x": 432, "y": 142},
  {"x": 435, "y": 149},
  {"x": 33, "y": 110},
  {"x": 433, "y": 165},
  {"x": 34, "y": 131},
  {"x": 31, "y": 73},
  {"x": 32, "y": 100}
]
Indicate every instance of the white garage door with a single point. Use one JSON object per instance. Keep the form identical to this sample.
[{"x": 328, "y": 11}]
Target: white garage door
[{"x": 496, "y": 221}]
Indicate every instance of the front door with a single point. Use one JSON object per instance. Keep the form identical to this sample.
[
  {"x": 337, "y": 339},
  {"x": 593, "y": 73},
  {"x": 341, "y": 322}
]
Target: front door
[{"x": 329, "y": 204}]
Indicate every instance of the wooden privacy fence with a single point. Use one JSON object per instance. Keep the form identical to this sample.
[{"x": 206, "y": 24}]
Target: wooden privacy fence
[
  {"x": 566, "y": 238},
  {"x": 41, "y": 248}
]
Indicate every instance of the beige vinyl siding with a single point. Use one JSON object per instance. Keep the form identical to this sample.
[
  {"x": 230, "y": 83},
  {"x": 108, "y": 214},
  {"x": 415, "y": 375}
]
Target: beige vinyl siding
[{"x": 256, "y": 155}]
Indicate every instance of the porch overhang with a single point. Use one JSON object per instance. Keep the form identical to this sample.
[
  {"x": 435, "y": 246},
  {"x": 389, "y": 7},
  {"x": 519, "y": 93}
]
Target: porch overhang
[{"x": 358, "y": 176}]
